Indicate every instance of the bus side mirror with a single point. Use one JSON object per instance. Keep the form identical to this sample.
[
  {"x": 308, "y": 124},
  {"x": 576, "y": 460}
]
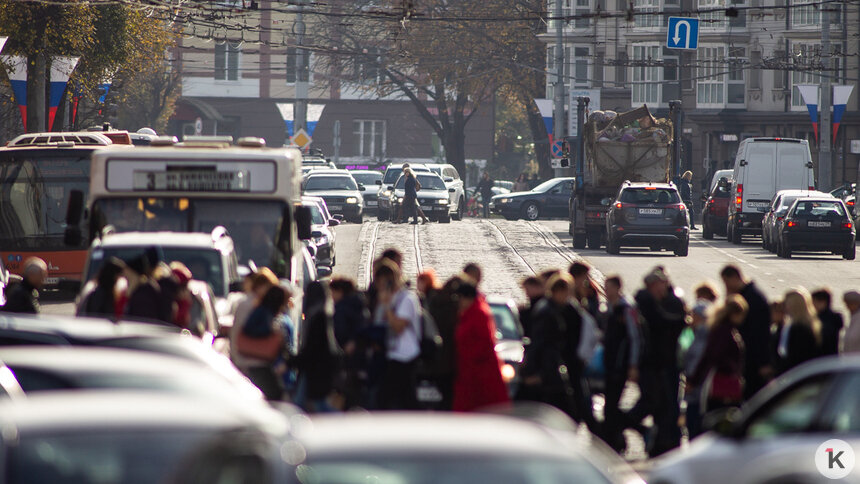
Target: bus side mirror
[
  {"x": 303, "y": 222},
  {"x": 72, "y": 236}
]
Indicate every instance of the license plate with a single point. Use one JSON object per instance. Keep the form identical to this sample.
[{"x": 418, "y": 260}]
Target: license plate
[
  {"x": 813, "y": 223},
  {"x": 428, "y": 393},
  {"x": 371, "y": 203},
  {"x": 650, "y": 211},
  {"x": 335, "y": 207},
  {"x": 52, "y": 281},
  {"x": 426, "y": 207},
  {"x": 755, "y": 204}
]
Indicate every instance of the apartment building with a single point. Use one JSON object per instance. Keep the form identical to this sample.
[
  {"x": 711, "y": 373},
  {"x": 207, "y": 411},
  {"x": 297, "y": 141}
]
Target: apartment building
[
  {"x": 741, "y": 81},
  {"x": 235, "y": 76}
]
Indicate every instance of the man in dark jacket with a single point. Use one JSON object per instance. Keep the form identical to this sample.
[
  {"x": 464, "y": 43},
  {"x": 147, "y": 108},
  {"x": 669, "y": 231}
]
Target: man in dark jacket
[
  {"x": 685, "y": 189},
  {"x": 663, "y": 318},
  {"x": 534, "y": 290},
  {"x": 24, "y": 297},
  {"x": 485, "y": 188},
  {"x": 621, "y": 352},
  {"x": 755, "y": 329},
  {"x": 831, "y": 322}
]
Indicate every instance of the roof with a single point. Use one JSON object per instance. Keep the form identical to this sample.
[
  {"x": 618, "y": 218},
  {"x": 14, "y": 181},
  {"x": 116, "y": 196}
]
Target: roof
[
  {"x": 430, "y": 432},
  {"x": 83, "y": 328},
  {"x": 121, "y": 410},
  {"x": 164, "y": 239},
  {"x": 46, "y": 139},
  {"x": 812, "y": 193},
  {"x": 631, "y": 184},
  {"x": 328, "y": 172}
]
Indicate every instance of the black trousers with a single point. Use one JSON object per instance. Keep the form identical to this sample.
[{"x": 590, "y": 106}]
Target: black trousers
[
  {"x": 267, "y": 381},
  {"x": 398, "y": 386},
  {"x": 614, "y": 420}
]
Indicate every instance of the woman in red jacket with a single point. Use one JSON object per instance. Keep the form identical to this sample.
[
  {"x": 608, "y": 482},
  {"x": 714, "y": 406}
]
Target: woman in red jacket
[{"x": 479, "y": 380}]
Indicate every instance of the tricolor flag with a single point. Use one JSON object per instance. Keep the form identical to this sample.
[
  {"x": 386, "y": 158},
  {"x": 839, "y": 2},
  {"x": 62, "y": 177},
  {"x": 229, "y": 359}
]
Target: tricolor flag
[
  {"x": 61, "y": 70},
  {"x": 810, "y": 97},
  {"x": 841, "y": 94},
  {"x": 287, "y": 114},
  {"x": 545, "y": 108},
  {"x": 17, "y": 71},
  {"x": 314, "y": 114}
]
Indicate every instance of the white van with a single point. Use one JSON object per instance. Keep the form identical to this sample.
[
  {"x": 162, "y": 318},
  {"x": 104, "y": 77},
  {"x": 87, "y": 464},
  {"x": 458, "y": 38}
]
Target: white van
[{"x": 764, "y": 166}]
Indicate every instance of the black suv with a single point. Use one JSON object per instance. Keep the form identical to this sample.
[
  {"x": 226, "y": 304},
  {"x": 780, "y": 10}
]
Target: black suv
[{"x": 648, "y": 215}]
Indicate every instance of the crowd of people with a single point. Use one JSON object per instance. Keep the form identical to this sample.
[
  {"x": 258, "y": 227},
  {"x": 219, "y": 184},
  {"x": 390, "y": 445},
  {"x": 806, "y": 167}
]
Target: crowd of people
[{"x": 386, "y": 347}]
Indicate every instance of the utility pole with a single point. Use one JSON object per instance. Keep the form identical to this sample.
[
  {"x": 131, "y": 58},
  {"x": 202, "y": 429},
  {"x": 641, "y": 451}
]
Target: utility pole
[
  {"x": 675, "y": 110},
  {"x": 558, "y": 90},
  {"x": 825, "y": 160},
  {"x": 300, "y": 108}
]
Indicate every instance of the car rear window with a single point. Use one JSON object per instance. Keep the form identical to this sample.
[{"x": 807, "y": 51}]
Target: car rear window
[
  {"x": 813, "y": 209},
  {"x": 650, "y": 195}
]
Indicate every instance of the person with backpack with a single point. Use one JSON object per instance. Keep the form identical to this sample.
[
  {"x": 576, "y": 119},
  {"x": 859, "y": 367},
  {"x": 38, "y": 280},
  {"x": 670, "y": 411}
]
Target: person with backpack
[
  {"x": 102, "y": 301},
  {"x": 318, "y": 359},
  {"x": 479, "y": 379}
]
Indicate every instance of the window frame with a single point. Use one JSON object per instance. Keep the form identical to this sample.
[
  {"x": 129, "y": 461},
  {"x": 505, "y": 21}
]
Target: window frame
[
  {"x": 361, "y": 133},
  {"x": 651, "y": 75},
  {"x": 229, "y": 69}
]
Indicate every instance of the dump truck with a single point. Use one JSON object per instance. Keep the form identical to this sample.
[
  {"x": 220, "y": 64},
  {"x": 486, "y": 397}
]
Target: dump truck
[{"x": 631, "y": 146}]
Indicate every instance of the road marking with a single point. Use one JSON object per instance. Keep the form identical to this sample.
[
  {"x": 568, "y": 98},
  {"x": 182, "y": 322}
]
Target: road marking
[
  {"x": 371, "y": 254},
  {"x": 417, "y": 250}
]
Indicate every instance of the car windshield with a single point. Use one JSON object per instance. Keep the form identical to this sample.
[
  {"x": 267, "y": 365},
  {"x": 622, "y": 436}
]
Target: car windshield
[
  {"x": 437, "y": 170},
  {"x": 324, "y": 182},
  {"x": 506, "y": 324},
  {"x": 366, "y": 177},
  {"x": 393, "y": 173},
  {"x": 204, "y": 264},
  {"x": 819, "y": 209},
  {"x": 428, "y": 182},
  {"x": 253, "y": 224},
  {"x": 395, "y": 468},
  {"x": 787, "y": 202},
  {"x": 317, "y": 217},
  {"x": 650, "y": 195},
  {"x": 545, "y": 186},
  {"x": 35, "y": 192},
  {"x": 135, "y": 456}
]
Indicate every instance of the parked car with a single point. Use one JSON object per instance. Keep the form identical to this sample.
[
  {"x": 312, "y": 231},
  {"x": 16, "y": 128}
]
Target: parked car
[
  {"x": 775, "y": 436},
  {"x": 339, "y": 190},
  {"x": 456, "y": 198},
  {"x": 446, "y": 447},
  {"x": 509, "y": 339},
  {"x": 817, "y": 224},
  {"x": 323, "y": 237},
  {"x": 432, "y": 198},
  {"x": 648, "y": 215},
  {"x": 369, "y": 179},
  {"x": 386, "y": 187},
  {"x": 88, "y": 437},
  {"x": 549, "y": 199},
  {"x": 771, "y": 225},
  {"x": 764, "y": 166},
  {"x": 715, "y": 212}
]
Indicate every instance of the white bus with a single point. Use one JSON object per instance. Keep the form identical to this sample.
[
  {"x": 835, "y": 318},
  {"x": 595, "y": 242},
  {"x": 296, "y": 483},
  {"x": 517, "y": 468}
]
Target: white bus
[{"x": 195, "y": 186}]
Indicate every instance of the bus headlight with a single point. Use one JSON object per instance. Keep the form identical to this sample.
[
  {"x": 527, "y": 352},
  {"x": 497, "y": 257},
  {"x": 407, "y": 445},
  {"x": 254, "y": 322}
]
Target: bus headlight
[{"x": 352, "y": 200}]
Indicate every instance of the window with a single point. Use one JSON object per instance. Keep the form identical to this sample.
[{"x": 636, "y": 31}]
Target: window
[
  {"x": 670, "y": 79},
  {"x": 736, "y": 88},
  {"x": 294, "y": 72},
  {"x": 755, "y": 70},
  {"x": 804, "y": 57},
  {"x": 779, "y": 76},
  {"x": 651, "y": 17},
  {"x": 792, "y": 412},
  {"x": 227, "y": 61},
  {"x": 710, "y": 85},
  {"x": 804, "y": 14},
  {"x": 583, "y": 7},
  {"x": 713, "y": 19},
  {"x": 581, "y": 67},
  {"x": 566, "y": 10},
  {"x": 367, "y": 69},
  {"x": 369, "y": 138},
  {"x": 646, "y": 74}
]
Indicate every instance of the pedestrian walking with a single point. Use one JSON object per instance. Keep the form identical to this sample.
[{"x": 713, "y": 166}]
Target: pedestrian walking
[
  {"x": 831, "y": 321},
  {"x": 24, "y": 296},
  {"x": 663, "y": 317},
  {"x": 522, "y": 183},
  {"x": 777, "y": 324},
  {"x": 585, "y": 289},
  {"x": 534, "y": 289},
  {"x": 443, "y": 306},
  {"x": 146, "y": 300},
  {"x": 262, "y": 339},
  {"x": 103, "y": 300},
  {"x": 755, "y": 329},
  {"x": 426, "y": 284},
  {"x": 399, "y": 311},
  {"x": 800, "y": 339},
  {"x": 410, "y": 198},
  {"x": 721, "y": 367},
  {"x": 621, "y": 354},
  {"x": 695, "y": 403},
  {"x": 256, "y": 285},
  {"x": 485, "y": 188},
  {"x": 685, "y": 189},
  {"x": 351, "y": 322},
  {"x": 317, "y": 361},
  {"x": 479, "y": 379},
  {"x": 851, "y": 338}
]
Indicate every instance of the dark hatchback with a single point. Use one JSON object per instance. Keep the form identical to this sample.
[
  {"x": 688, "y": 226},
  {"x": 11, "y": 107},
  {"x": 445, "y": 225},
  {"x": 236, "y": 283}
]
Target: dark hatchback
[
  {"x": 369, "y": 179},
  {"x": 715, "y": 213},
  {"x": 549, "y": 199},
  {"x": 648, "y": 215},
  {"x": 817, "y": 225}
]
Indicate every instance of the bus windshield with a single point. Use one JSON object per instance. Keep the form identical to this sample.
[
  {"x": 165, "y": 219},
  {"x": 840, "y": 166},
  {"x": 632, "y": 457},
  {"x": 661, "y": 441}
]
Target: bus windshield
[
  {"x": 253, "y": 224},
  {"x": 34, "y": 196}
]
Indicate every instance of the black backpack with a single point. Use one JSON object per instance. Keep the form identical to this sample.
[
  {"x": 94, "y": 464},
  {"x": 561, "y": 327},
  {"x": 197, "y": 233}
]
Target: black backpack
[{"x": 430, "y": 340}]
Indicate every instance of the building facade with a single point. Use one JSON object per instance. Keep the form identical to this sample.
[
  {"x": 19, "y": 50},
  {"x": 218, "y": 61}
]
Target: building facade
[
  {"x": 740, "y": 82},
  {"x": 234, "y": 78}
]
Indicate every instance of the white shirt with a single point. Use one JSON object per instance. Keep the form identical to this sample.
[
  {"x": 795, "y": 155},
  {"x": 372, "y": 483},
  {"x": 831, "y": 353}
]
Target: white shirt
[
  {"x": 405, "y": 347},
  {"x": 851, "y": 336}
]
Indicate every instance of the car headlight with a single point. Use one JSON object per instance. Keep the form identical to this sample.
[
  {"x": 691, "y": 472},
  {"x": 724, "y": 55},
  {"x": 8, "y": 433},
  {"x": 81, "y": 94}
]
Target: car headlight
[
  {"x": 352, "y": 200},
  {"x": 321, "y": 240},
  {"x": 508, "y": 372},
  {"x": 442, "y": 202},
  {"x": 399, "y": 200},
  {"x": 386, "y": 193}
]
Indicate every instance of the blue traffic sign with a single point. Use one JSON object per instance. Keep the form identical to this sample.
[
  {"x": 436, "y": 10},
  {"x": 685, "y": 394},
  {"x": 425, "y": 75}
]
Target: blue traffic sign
[
  {"x": 683, "y": 33},
  {"x": 557, "y": 149}
]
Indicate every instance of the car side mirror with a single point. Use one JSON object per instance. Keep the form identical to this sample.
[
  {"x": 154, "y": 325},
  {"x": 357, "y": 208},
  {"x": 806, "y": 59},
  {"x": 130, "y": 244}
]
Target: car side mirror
[
  {"x": 333, "y": 222},
  {"x": 361, "y": 187},
  {"x": 378, "y": 182},
  {"x": 316, "y": 234},
  {"x": 303, "y": 223},
  {"x": 391, "y": 187},
  {"x": 323, "y": 271},
  {"x": 724, "y": 421},
  {"x": 451, "y": 190},
  {"x": 338, "y": 217},
  {"x": 743, "y": 163},
  {"x": 236, "y": 286},
  {"x": 448, "y": 179},
  {"x": 606, "y": 202}
]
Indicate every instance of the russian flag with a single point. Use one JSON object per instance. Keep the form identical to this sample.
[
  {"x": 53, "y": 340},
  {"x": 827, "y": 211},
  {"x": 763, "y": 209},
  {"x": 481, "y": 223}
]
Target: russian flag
[
  {"x": 545, "y": 108},
  {"x": 18, "y": 79},
  {"x": 810, "y": 97},
  {"x": 61, "y": 70},
  {"x": 314, "y": 114},
  {"x": 841, "y": 94}
]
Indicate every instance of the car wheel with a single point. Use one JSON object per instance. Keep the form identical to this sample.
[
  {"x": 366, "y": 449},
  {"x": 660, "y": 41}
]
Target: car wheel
[
  {"x": 736, "y": 234},
  {"x": 851, "y": 253},
  {"x": 612, "y": 247},
  {"x": 510, "y": 217},
  {"x": 593, "y": 239},
  {"x": 444, "y": 219},
  {"x": 783, "y": 252},
  {"x": 461, "y": 206},
  {"x": 683, "y": 249},
  {"x": 381, "y": 216},
  {"x": 531, "y": 211},
  {"x": 707, "y": 233},
  {"x": 578, "y": 241}
]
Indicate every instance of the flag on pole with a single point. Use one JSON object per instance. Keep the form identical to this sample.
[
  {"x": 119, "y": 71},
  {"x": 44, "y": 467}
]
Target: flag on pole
[
  {"x": 810, "y": 97},
  {"x": 841, "y": 94},
  {"x": 314, "y": 114},
  {"x": 545, "y": 108},
  {"x": 61, "y": 70},
  {"x": 286, "y": 110},
  {"x": 17, "y": 72}
]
